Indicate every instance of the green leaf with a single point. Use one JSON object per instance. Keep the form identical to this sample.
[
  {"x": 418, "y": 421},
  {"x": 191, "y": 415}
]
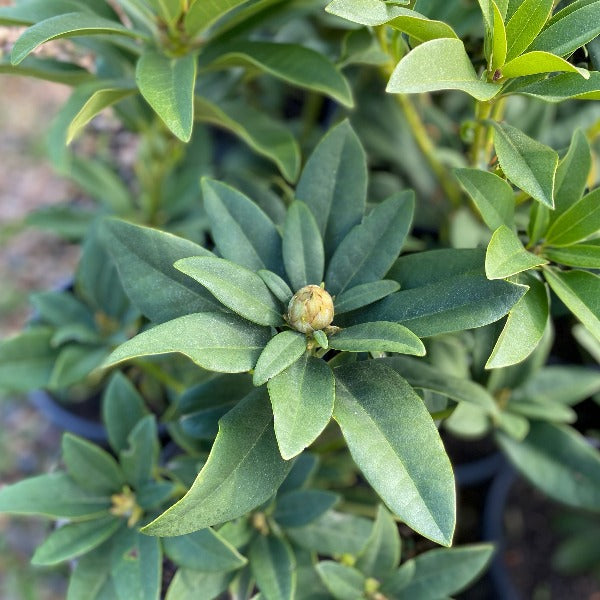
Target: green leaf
[
  {"x": 186, "y": 583},
  {"x": 492, "y": 196},
  {"x": 91, "y": 467},
  {"x": 64, "y": 26},
  {"x": 203, "y": 550},
  {"x": 204, "y": 13},
  {"x": 499, "y": 42},
  {"x": 167, "y": 84},
  {"x": 377, "y": 336},
  {"x": 243, "y": 233},
  {"x": 363, "y": 295},
  {"x": 564, "y": 87},
  {"x": 26, "y": 360},
  {"x": 321, "y": 338},
  {"x": 570, "y": 28},
  {"x": 343, "y": 582},
  {"x": 441, "y": 64},
  {"x": 264, "y": 135},
  {"x": 370, "y": 249},
  {"x": 144, "y": 257},
  {"x": 61, "y": 308},
  {"x": 422, "y": 375},
  {"x": 279, "y": 288},
  {"x": 236, "y": 287},
  {"x": 273, "y": 565},
  {"x": 580, "y": 221},
  {"x": 580, "y": 291},
  {"x": 524, "y": 327},
  {"x": 396, "y": 445},
  {"x": 506, "y": 255},
  {"x": 294, "y": 64},
  {"x": 580, "y": 255},
  {"x": 381, "y": 555},
  {"x": 74, "y": 539},
  {"x": 74, "y": 364},
  {"x": 525, "y": 24},
  {"x": 439, "y": 573},
  {"x": 55, "y": 496},
  {"x": 122, "y": 408},
  {"x": 301, "y": 474},
  {"x": 302, "y": 398},
  {"x": 527, "y": 163},
  {"x": 47, "y": 69},
  {"x": 245, "y": 457},
  {"x": 33, "y": 11},
  {"x": 282, "y": 351},
  {"x": 215, "y": 341},
  {"x": 333, "y": 184},
  {"x": 140, "y": 456},
  {"x": 537, "y": 61},
  {"x": 559, "y": 461},
  {"x": 301, "y": 507},
  {"x": 375, "y": 13},
  {"x": 303, "y": 251}
]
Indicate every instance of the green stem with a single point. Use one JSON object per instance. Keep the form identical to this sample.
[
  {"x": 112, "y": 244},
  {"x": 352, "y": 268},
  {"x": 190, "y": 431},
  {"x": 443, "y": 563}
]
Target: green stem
[{"x": 479, "y": 158}]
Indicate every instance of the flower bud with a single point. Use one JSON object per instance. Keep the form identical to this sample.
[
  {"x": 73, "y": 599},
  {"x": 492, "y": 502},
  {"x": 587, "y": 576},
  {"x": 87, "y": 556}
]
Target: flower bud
[{"x": 310, "y": 309}]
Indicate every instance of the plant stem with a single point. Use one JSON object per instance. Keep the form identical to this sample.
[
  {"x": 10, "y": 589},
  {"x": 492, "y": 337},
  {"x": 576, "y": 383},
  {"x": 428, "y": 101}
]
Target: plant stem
[{"x": 479, "y": 158}]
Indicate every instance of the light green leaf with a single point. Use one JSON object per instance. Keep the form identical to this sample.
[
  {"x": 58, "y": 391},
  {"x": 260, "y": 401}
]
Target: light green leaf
[
  {"x": 215, "y": 341},
  {"x": 64, "y": 26},
  {"x": 282, "y": 350},
  {"x": 364, "y": 294},
  {"x": 524, "y": 25},
  {"x": 303, "y": 251},
  {"x": 559, "y": 461},
  {"x": 342, "y": 581},
  {"x": 580, "y": 221},
  {"x": 243, "y": 233},
  {"x": 370, "y": 249},
  {"x": 377, "y": 336},
  {"x": 236, "y": 287},
  {"x": 55, "y": 496},
  {"x": 245, "y": 457},
  {"x": 563, "y": 87},
  {"x": 527, "y": 163},
  {"x": 302, "y": 397},
  {"x": 204, "y": 13},
  {"x": 321, "y": 338},
  {"x": 47, "y": 69},
  {"x": 537, "y": 61},
  {"x": 301, "y": 507},
  {"x": 506, "y": 255},
  {"x": 167, "y": 84},
  {"x": 493, "y": 196},
  {"x": 441, "y": 64},
  {"x": 499, "y": 42},
  {"x": 439, "y": 573},
  {"x": 74, "y": 539},
  {"x": 74, "y": 364},
  {"x": 580, "y": 291},
  {"x": 274, "y": 567},
  {"x": 396, "y": 445},
  {"x": 264, "y": 135},
  {"x": 581, "y": 255},
  {"x": 294, "y": 64},
  {"x": 203, "y": 550}
]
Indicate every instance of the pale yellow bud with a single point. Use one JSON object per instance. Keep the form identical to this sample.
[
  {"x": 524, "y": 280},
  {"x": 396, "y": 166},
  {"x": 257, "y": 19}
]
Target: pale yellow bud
[{"x": 310, "y": 309}]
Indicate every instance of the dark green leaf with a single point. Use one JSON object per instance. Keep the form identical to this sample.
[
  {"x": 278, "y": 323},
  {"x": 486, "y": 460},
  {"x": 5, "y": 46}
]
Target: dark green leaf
[
  {"x": 301, "y": 507},
  {"x": 186, "y": 583},
  {"x": 343, "y": 582},
  {"x": 140, "y": 456},
  {"x": 363, "y": 295},
  {"x": 564, "y": 86},
  {"x": 277, "y": 285},
  {"x": 580, "y": 255},
  {"x": 273, "y": 565},
  {"x": 47, "y": 69}
]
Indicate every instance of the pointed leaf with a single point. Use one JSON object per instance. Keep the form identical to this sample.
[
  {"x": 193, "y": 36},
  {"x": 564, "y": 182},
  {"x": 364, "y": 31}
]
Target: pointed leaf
[
  {"x": 580, "y": 221},
  {"x": 342, "y": 581},
  {"x": 524, "y": 25},
  {"x": 273, "y": 565},
  {"x": 282, "y": 350},
  {"x": 244, "y": 456},
  {"x": 564, "y": 86},
  {"x": 579, "y": 255},
  {"x": 279, "y": 288},
  {"x": 302, "y": 398},
  {"x": 535, "y": 62},
  {"x": 396, "y": 445},
  {"x": 499, "y": 42},
  {"x": 235, "y": 287},
  {"x": 204, "y": 13},
  {"x": 364, "y": 294},
  {"x": 377, "y": 336},
  {"x": 140, "y": 457}
]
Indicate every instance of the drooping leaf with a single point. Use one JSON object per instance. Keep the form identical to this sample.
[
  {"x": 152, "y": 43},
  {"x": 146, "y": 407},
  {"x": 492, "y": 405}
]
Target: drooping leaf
[
  {"x": 524, "y": 25},
  {"x": 580, "y": 221},
  {"x": 396, "y": 445},
  {"x": 283, "y": 350},
  {"x": 273, "y": 565},
  {"x": 377, "y": 336}
]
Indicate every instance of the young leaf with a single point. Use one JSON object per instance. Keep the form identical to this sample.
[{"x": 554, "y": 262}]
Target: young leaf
[
  {"x": 202, "y": 14},
  {"x": 140, "y": 456},
  {"x": 215, "y": 341},
  {"x": 274, "y": 567},
  {"x": 559, "y": 461},
  {"x": 74, "y": 539},
  {"x": 243, "y": 233},
  {"x": 527, "y": 163},
  {"x": 301, "y": 507},
  {"x": 302, "y": 398},
  {"x": 333, "y": 184},
  {"x": 396, "y": 445},
  {"x": 370, "y": 249},
  {"x": 244, "y": 456},
  {"x": 535, "y": 62},
  {"x": 441, "y": 64},
  {"x": 282, "y": 351},
  {"x": 364, "y": 294},
  {"x": 303, "y": 252},
  {"x": 236, "y": 287},
  {"x": 580, "y": 291},
  {"x": 342, "y": 581},
  {"x": 493, "y": 196},
  {"x": 580, "y": 221},
  {"x": 499, "y": 42},
  {"x": 506, "y": 255},
  {"x": 377, "y": 336},
  {"x": 203, "y": 550},
  {"x": 525, "y": 24},
  {"x": 167, "y": 84},
  {"x": 279, "y": 288},
  {"x": 524, "y": 327},
  {"x": 439, "y": 573},
  {"x": 64, "y": 26}
]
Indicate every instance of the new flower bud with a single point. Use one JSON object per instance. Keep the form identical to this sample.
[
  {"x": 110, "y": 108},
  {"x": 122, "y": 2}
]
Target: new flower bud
[{"x": 310, "y": 309}]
